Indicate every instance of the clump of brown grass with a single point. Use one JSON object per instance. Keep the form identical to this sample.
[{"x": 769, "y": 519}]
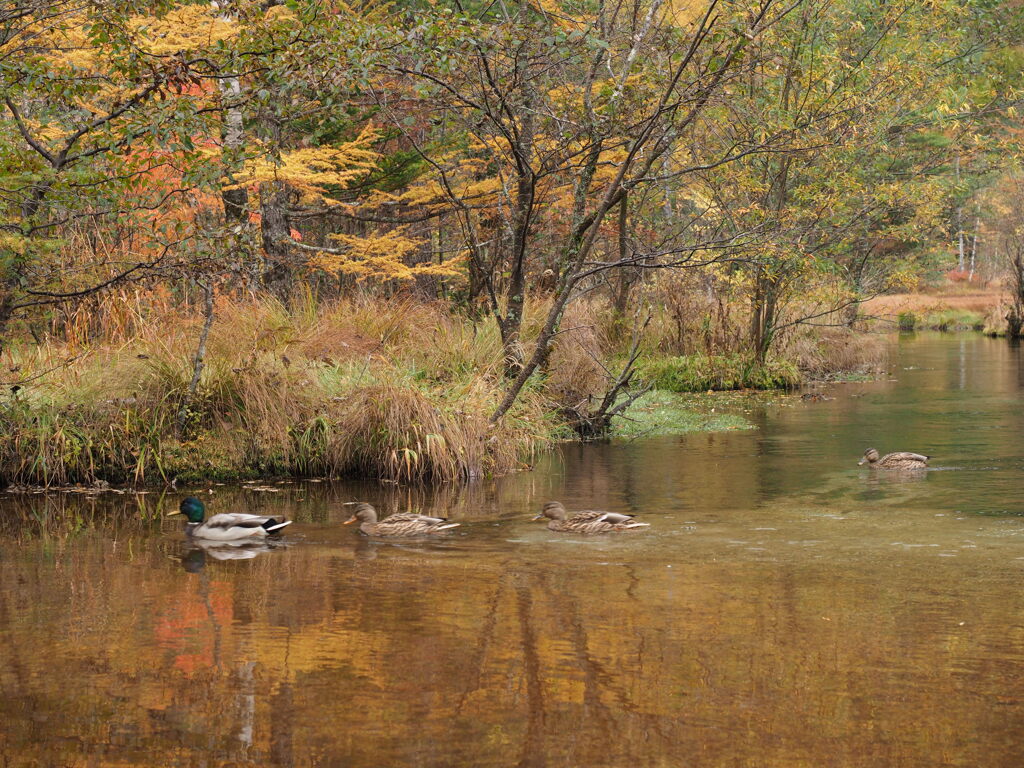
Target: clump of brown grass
[
  {"x": 692, "y": 314},
  {"x": 824, "y": 353},
  {"x": 403, "y": 433},
  {"x": 577, "y": 370},
  {"x": 995, "y": 323}
]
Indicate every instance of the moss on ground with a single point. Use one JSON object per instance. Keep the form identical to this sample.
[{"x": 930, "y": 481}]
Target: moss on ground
[{"x": 666, "y": 413}]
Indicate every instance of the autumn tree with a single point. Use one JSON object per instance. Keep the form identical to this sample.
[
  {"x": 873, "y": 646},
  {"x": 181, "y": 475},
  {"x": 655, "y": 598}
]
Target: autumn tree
[
  {"x": 1004, "y": 208},
  {"x": 126, "y": 126},
  {"x": 551, "y": 116},
  {"x": 876, "y": 117},
  {"x": 96, "y": 132}
]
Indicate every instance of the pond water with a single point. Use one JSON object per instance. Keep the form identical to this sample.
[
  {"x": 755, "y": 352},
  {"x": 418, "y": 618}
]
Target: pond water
[{"x": 785, "y": 608}]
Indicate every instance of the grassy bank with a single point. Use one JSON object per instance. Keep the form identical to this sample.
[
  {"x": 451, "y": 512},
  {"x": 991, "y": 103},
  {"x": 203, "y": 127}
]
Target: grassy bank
[
  {"x": 699, "y": 373},
  {"x": 956, "y": 308},
  {"x": 945, "y": 319},
  {"x": 396, "y": 389},
  {"x": 822, "y": 354}
]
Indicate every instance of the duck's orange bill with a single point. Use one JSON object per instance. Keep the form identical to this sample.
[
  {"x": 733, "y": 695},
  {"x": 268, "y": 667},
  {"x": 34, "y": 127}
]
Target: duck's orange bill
[{"x": 350, "y": 520}]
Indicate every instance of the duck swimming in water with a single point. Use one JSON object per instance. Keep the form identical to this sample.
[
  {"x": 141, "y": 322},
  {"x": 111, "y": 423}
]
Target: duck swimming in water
[
  {"x": 900, "y": 460},
  {"x": 403, "y": 524},
  {"x": 227, "y": 526},
  {"x": 588, "y": 521}
]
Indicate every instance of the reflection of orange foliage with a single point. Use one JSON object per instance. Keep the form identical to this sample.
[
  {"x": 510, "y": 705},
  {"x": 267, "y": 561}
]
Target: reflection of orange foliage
[{"x": 187, "y": 627}]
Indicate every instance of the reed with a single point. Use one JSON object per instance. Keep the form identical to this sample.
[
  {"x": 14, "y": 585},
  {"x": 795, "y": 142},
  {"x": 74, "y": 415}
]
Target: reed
[{"x": 837, "y": 353}]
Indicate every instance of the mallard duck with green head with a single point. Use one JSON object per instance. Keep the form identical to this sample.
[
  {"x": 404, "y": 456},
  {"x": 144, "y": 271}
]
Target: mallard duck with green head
[
  {"x": 396, "y": 526},
  {"x": 587, "y": 521},
  {"x": 227, "y": 526},
  {"x": 900, "y": 460}
]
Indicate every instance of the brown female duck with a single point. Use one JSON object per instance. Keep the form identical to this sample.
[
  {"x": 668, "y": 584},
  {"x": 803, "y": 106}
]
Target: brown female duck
[
  {"x": 588, "y": 521},
  {"x": 901, "y": 460},
  {"x": 404, "y": 524}
]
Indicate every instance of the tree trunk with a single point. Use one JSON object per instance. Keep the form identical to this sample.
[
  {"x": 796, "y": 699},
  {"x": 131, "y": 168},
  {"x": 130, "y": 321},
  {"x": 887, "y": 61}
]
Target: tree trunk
[
  {"x": 512, "y": 322},
  {"x": 275, "y": 234},
  {"x": 199, "y": 361},
  {"x": 626, "y": 275},
  {"x": 1015, "y": 317},
  {"x": 764, "y": 306},
  {"x": 756, "y": 315},
  {"x": 522, "y": 220},
  {"x": 974, "y": 249},
  {"x": 959, "y": 225},
  {"x": 236, "y": 200}
]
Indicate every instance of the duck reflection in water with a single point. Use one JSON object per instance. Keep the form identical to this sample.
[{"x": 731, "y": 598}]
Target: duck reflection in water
[
  {"x": 195, "y": 552},
  {"x": 896, "y": 477}
]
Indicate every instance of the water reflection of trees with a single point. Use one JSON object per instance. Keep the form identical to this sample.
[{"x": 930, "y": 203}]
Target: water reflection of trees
[{"x": 314, "y": 656}]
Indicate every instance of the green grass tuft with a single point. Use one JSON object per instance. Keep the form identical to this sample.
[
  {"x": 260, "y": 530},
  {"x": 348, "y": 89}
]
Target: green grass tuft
[
  {"x": 700, "y": 373},
  {"x": 952, "y": 319}
]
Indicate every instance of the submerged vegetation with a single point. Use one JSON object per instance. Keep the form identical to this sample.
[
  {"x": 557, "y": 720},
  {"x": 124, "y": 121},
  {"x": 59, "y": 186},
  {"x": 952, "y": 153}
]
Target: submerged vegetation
[{"x": 224, "y": 253}]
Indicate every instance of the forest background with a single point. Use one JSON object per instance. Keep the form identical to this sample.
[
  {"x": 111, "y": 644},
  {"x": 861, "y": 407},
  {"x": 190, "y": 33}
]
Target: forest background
[{"x": 422, "y": 240}]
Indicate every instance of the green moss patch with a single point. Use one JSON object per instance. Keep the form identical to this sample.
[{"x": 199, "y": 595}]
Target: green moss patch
[{"x": 666, "y": 413}]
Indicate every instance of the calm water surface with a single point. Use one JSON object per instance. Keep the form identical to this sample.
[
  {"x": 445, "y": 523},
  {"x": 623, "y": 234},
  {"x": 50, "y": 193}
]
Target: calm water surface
[{"x": 786, "y": 608}]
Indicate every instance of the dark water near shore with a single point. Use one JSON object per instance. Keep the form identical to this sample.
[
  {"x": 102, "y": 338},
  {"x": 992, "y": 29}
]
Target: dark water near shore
[{"x": 786, "y": 607}]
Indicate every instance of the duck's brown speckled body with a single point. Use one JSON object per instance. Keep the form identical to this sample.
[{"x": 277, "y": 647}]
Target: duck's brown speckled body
[
  {"x": 588, "y": 521},
  {"x": 396, "y": 526},
  {"x": 900, "y": 460}
]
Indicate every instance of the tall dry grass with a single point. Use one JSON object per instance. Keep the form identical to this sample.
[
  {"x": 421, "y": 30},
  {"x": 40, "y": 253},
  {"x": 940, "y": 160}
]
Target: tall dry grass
[
  {"x": 828, "y": 352},
  {"x": 582, "y": 355},
  {"x": 399, "y": 390},
  {"x": 699, "y": 340}
]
